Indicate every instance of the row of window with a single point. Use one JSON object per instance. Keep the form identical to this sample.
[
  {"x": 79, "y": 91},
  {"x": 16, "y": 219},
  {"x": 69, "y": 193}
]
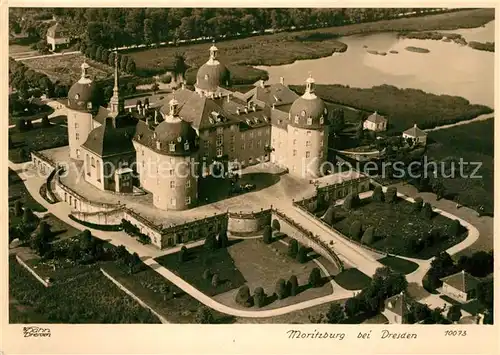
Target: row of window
[
  {"x": 173, "y": 201},
  {"x": 187, "y": 185},
  {"x": 309, "y": 120},
  {"x": 308, "y": 153}
]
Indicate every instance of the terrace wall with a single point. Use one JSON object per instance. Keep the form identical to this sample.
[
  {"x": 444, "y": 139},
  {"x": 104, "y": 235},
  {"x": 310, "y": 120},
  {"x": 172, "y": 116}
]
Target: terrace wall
[{"x": 248, "y": 223}]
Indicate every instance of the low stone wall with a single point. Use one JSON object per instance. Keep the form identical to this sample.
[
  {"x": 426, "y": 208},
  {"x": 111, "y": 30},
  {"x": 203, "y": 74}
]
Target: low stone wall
[
  {"x": 194, "y": 230},
  {"x": 328, "y": 194},
  {"x": 112, "y": 217},
  {"x": 306, "y": 237},
  {"x": 248, "y": 223},
  {"x": 145, "y": 227},
  {"x": 76, "y": 201},
  {"x": 38, "y": 277},
  {"x": 131, "y": 294},
  {"x": 43, "y": 164}
]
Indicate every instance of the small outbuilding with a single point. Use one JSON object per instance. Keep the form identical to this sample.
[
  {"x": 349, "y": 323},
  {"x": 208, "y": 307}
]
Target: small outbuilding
[
  {"x": 57, "y": 36},
  {"x": 460, "y": 286},
  {"x": 375, "y": 122},
  {"x": 415, "y": 133},
  {"x": 397, "y": 308}
]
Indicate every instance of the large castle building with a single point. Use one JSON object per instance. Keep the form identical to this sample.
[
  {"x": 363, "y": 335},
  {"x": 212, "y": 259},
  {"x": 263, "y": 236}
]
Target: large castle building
[{"x": 164, "y": 148}]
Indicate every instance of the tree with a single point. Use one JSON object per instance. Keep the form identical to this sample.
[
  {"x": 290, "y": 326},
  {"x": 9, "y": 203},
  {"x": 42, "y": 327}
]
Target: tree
[
  {"x": 294, "y": 286},
  {"x": 28, "y": 216},
  {"x": 281, "y": 289},
  {"x": 275, "y": 225},
  {"x": 426, "y": 211},
  {"x": 111, "y": 59},
  {"x": 355, "y": 230},
  {"x": 155, "y": 87},
  {"x": 18, "y": 208},
  {"x": 207, "y": 274},
  {"x": 391, "y": 194},
  {"x": 352, "y": 307},
  {"x": 86, "y": 240},
  {"x": 120, "y": 253},
  {"x": 335, "y": 314},
  {"x": 104, "y": 56},
  {"x": 45, "y": 121},
  {"x": 149, "y": 32},
  {"x": 454, "y": 313},
  {"x": 302, "y": 254},
  {"x": 204, "y": 316},
  {"x": 131, "y": 66},
  {"x": 223, "y": 240},
  {"x": 123, "y": 62},
  {"x": 315, "y": 279},
  {"x": 183, "y": 254},
  {"x": 484, "y": 293},
  {"x": 455, "y": 228},
  {"x": 243, "y": 296},
  {"x": 259, "y": 297},
  {"x": 134, "y": 263},
  {"x": 131, "y": 89},
  {"x": 437, "y": 187},
  {"x": 350, "y": 201},
  {"x": 368, "y": 236},
  {"x": 329, "y": 216},
  {"x": 268, "y": 235},
  {"x": 23, "y": 154},
  {"x": 417, "y": 205},
  {"x": 40, "y": 241},
  {"x": 210, "y": 242},
  {"x": 29, "y": 125},
  {"x": 215, "y": 280},
  {"x": 378, "y": 194},
  {"x": 293, "y": 248},
  {"x": 98, "y": 53}
]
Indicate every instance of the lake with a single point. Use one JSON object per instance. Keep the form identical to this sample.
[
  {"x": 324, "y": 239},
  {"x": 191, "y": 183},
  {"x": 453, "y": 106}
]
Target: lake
[{"x": 449, "y": 68}]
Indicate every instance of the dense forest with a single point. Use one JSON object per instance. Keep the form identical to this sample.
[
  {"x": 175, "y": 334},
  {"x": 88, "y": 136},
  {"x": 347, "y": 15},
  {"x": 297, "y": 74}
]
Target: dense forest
[{"x": 111, "y": 27}]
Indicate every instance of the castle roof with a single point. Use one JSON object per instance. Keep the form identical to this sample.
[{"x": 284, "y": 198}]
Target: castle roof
[
  {"x": 461, "y": 281},
  {"x": 212, "y": 74},
  {"x": 113, "y": 137}
]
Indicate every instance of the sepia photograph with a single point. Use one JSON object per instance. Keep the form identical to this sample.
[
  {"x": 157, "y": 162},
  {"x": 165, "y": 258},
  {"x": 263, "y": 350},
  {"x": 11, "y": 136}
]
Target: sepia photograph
[{"x": 248, "y": 165}]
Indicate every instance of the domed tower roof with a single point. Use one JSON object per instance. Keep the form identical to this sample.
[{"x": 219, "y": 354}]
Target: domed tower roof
[
  {"x": 175, "y": 136},
  {"x": 308, "y": 111},
  {"x": 212, "y": 74},
  {"x": 83, "y": 94}
]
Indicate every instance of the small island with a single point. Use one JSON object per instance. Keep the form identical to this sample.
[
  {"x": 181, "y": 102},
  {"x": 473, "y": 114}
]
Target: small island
[
  {"x": 488, "y": 46},
  {"x": 417, "y": 49}
]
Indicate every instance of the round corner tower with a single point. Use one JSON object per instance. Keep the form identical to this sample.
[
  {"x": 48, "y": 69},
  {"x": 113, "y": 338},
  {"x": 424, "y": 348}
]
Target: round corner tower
[
  {"x": 307, "y": 134},
  {"x": 80, "y": 107}
]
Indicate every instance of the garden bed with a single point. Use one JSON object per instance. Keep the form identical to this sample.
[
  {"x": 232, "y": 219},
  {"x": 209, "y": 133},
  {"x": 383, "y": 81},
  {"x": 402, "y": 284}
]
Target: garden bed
[
  {"x": 200, "y": 259},
  {"x": 91, "y": 298},
  {"x": 352, "y": 279},
  {"x": 18, "y": 191},
  {"x": 397, "y": 226},
  {"x": 399, "y": 265}
]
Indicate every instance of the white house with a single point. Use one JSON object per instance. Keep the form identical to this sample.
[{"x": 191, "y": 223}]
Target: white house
[
  {"x": 375, "y": 122},
  {"x": 460, "y": 286},
  {"x": 397, "y": 308},
  {"x": 57, "y": 36},
  {"x": 415, "y": 133}
]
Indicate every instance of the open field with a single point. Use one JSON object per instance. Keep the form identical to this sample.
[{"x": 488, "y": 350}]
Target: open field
[
  {"x": 67, "y": 69},
  {"x": 37, "y": 138},
  {"x": 397, "y": 226},
  {"x": 199, "y": 259},
  {"x": 473, "y": 142},
  {"x": 402, "y": 107},
  {"x": 89, "y": 298}
]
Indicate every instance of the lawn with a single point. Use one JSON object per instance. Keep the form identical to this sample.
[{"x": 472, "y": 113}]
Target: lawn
[
  {"x": 200, "y": 259},
  {"x": 161, "y": 295},
  {"x": 396, "y": 226},
  {"x": 263, "y": 265},
  {"x": 18, "y": 191},
  {"x": 89, "y": 298},
  {"x": 352, "y": 279},
  {"x": 402, "y": 107},
  {"x": 399, "y": 265},
  {"x": 472, "y": 142},
  {"x": 67, "y": 68},
  {"x": 35, "y": 139}
]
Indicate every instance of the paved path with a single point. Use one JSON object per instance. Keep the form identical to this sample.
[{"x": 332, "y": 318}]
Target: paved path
[
  {"x": 460, "y": 123},
  {"x": 46, "y": 55},
  {"x": 61, "y": 210}
]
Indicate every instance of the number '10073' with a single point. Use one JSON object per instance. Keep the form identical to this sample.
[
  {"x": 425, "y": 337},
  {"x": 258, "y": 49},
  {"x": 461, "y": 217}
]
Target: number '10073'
[{"x": 455, "y": 333}]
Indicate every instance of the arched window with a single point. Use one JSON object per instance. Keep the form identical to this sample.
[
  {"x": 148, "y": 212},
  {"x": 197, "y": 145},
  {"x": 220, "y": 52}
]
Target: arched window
[{"x": 92, "y": 161}]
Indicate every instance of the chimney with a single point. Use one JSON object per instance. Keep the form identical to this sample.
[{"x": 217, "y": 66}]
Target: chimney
[
  {"x": 282, "y": 80},
  {"x": 238, "y": 111},
  {"x": 246, "y": 109},
  {"x": 156, "y": 116},
  {"x": 228, "y": 98}
]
